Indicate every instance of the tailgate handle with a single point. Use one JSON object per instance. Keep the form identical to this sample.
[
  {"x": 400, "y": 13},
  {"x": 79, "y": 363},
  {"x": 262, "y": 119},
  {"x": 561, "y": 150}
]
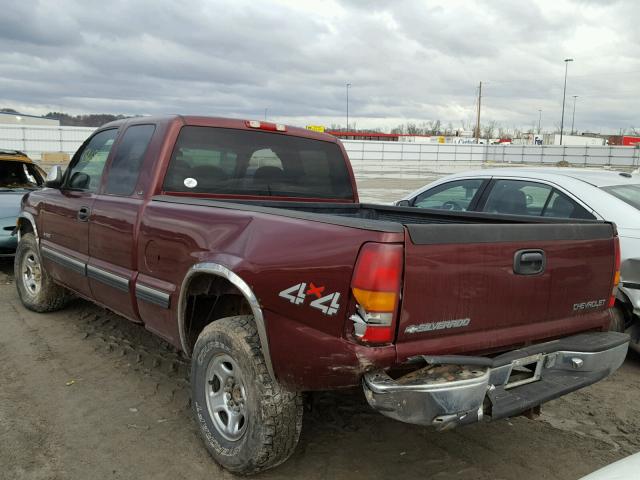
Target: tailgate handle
[{"x": 529, "y": 262}]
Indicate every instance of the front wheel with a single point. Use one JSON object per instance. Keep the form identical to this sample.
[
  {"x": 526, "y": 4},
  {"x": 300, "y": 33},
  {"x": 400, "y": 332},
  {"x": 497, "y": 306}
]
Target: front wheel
[
  {"x": 36, "y": 288},
  {"x": 249, "y": 423}
]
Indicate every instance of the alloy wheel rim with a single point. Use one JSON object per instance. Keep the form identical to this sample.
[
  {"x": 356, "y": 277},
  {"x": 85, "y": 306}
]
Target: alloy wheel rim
[
  {"x": 31, "y": 273},
  {"x": 226, "y": 397}
]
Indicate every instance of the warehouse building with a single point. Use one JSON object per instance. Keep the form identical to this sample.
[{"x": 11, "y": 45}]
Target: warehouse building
[{"x": 11, "y": 118}]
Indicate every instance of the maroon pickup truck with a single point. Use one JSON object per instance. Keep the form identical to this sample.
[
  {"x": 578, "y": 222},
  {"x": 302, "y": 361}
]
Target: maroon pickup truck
[{"x": 244, "y": 245}]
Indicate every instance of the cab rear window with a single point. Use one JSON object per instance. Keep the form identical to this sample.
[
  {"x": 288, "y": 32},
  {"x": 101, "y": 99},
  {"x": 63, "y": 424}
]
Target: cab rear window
[{"x": 240, "y": 162}]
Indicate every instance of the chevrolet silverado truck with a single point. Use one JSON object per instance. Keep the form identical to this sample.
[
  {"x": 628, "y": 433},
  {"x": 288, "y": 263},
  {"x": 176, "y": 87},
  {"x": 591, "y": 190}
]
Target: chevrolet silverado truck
[{"x": 244, "y": 245}]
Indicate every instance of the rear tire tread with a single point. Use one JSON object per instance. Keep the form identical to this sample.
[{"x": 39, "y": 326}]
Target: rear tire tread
[{"x": 281, "y": 409}]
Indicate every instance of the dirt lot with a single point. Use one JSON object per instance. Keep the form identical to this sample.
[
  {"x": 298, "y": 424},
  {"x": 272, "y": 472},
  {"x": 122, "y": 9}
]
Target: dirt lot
[{"x": 86, "y": 394}]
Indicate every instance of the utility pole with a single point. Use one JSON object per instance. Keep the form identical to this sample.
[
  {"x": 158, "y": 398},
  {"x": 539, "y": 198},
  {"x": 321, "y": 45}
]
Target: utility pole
[
  {"x": 573, "y": 117},
  {"x": 348, "y": 85},
  {"x": 478, "y": 119},
  {"x": 564, "y": 94},
  {"x": 265, "y": 114}
]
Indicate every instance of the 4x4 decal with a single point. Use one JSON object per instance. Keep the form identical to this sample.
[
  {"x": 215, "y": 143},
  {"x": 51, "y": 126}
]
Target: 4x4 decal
[
  {"x": 295, "y": 294},
  {"x": 327, "y": 304}
]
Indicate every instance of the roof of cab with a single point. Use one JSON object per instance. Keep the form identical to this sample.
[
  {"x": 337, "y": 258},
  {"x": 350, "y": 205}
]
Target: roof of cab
[
  {"x": 595, "y": 177},
  {"x": 221, "y": 122}
]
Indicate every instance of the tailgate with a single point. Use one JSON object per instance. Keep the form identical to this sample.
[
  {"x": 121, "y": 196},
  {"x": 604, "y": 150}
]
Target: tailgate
[{"x": 483, "y": 287}]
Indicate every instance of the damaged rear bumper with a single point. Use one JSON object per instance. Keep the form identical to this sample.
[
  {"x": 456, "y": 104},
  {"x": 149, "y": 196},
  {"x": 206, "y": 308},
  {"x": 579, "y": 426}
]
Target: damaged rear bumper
[{"x": 453, "y": 391}]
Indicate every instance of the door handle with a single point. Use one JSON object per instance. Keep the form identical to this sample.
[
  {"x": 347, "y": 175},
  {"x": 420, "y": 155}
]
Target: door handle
[
  {"x": 529, "y": 262},
  {"x": 83, "y": 214}
]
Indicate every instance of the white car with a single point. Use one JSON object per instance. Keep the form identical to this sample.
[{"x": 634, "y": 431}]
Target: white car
[
  {"x": 625, "y": 469},
  {"x": 556, "y": 193}
]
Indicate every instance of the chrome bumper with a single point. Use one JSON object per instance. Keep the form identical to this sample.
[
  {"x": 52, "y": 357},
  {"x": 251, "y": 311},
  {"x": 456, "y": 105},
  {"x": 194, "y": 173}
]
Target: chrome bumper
[{"x": 448, "y": 394}]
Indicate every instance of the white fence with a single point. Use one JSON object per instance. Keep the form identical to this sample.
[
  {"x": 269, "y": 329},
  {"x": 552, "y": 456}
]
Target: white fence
[
  {"x": 370, "y": 158},
  {"x": 35, "y": 140},
  {"x": 413, "y": 160}
]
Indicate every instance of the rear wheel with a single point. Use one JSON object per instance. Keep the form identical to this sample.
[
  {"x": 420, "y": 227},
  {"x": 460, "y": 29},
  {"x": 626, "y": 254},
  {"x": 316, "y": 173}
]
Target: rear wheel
[
  {"x": 249, "y": 423},
  {"x": 36, "y": 288}
]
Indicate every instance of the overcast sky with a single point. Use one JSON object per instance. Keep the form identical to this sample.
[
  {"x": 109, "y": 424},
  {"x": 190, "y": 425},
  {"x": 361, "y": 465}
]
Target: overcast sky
[{"x": 407, "y": 60}]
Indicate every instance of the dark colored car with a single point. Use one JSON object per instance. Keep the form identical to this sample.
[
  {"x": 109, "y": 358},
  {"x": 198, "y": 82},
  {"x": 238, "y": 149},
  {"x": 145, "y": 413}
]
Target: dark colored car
[
  {"x": 18, "y": 175},
  {"x": 243, "y": 244}
]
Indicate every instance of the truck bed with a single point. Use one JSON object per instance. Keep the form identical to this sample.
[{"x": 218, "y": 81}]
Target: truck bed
[{"x": 385, "y": 218}]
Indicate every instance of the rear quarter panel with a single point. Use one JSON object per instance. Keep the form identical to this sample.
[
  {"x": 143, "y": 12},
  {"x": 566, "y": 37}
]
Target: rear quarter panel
[{"x": 271, "y": 253}]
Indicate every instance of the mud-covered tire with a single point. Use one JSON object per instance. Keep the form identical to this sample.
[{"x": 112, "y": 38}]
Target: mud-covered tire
[
  {"x": 37, "y": 292},
  {"x": 273, "y": 413}
]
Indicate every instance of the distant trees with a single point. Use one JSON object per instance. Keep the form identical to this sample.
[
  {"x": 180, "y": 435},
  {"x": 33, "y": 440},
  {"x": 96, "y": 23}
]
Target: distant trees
[
  {"x": 430, "y": 127},
  {"x": 92, "y": 120},
  {"x": 489, "y": 129}
]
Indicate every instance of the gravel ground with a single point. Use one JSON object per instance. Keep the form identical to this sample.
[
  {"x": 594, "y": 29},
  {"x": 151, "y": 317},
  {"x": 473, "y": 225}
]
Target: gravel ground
[{"x": 86, "y": 394}]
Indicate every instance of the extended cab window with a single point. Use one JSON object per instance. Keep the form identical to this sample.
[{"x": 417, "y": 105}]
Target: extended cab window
[
  {"x": 240, "y": 162},
  {"x": 125, "y": 167},
  {"x": 86, "y": 172},
  {"x": 456, "y": 195}
]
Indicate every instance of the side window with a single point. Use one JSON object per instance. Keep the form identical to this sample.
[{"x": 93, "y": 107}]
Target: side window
[
  {"x": 517, "y": 197},
  {"x": 125, "y": 167},
  {"x": 455, "y": 195},
  {"x": 86, "y": 173},
  {"x": 561, "y": 206}
]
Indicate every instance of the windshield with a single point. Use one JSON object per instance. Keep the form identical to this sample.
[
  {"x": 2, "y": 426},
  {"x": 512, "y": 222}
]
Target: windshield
[
  {"x": 239, "y": 162},
  {"x": 19, "y": 175},
  {"x": 627, "y": 193}
]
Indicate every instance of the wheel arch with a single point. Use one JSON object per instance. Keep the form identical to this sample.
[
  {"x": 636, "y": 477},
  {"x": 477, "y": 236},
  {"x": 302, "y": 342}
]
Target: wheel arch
[
  {"x": 218, "y": 270},
  {"x": 27, "y": 223}
]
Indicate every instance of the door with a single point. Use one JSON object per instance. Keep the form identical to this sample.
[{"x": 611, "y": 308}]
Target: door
[
  {"x": 66, "y": 213},
  {"x": 112, "y": 229}
]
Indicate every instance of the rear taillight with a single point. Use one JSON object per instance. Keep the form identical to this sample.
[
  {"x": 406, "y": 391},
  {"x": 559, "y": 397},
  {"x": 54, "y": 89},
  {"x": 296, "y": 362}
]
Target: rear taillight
[
  {"x": 616, "y": 272},
  {"x": 376, "y": 288}
]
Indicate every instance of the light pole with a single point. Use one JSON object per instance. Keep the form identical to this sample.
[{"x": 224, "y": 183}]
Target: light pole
[
  {"x": 265, "y": 114},
  {"x": 564, "y": 94},
  {"x": 573, "y": 117},
  {"x": 539, "y": 119},
  {"x": 348, "y": 85}
]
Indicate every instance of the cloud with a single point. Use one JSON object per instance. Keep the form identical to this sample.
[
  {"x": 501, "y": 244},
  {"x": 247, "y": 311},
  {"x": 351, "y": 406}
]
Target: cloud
[{"x": 407, "y": 60}]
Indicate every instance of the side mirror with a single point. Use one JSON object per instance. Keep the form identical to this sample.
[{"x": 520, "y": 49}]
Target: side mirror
[
  {"x": 54, "y": 177},
  {"x": 403, "y": 203}
]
